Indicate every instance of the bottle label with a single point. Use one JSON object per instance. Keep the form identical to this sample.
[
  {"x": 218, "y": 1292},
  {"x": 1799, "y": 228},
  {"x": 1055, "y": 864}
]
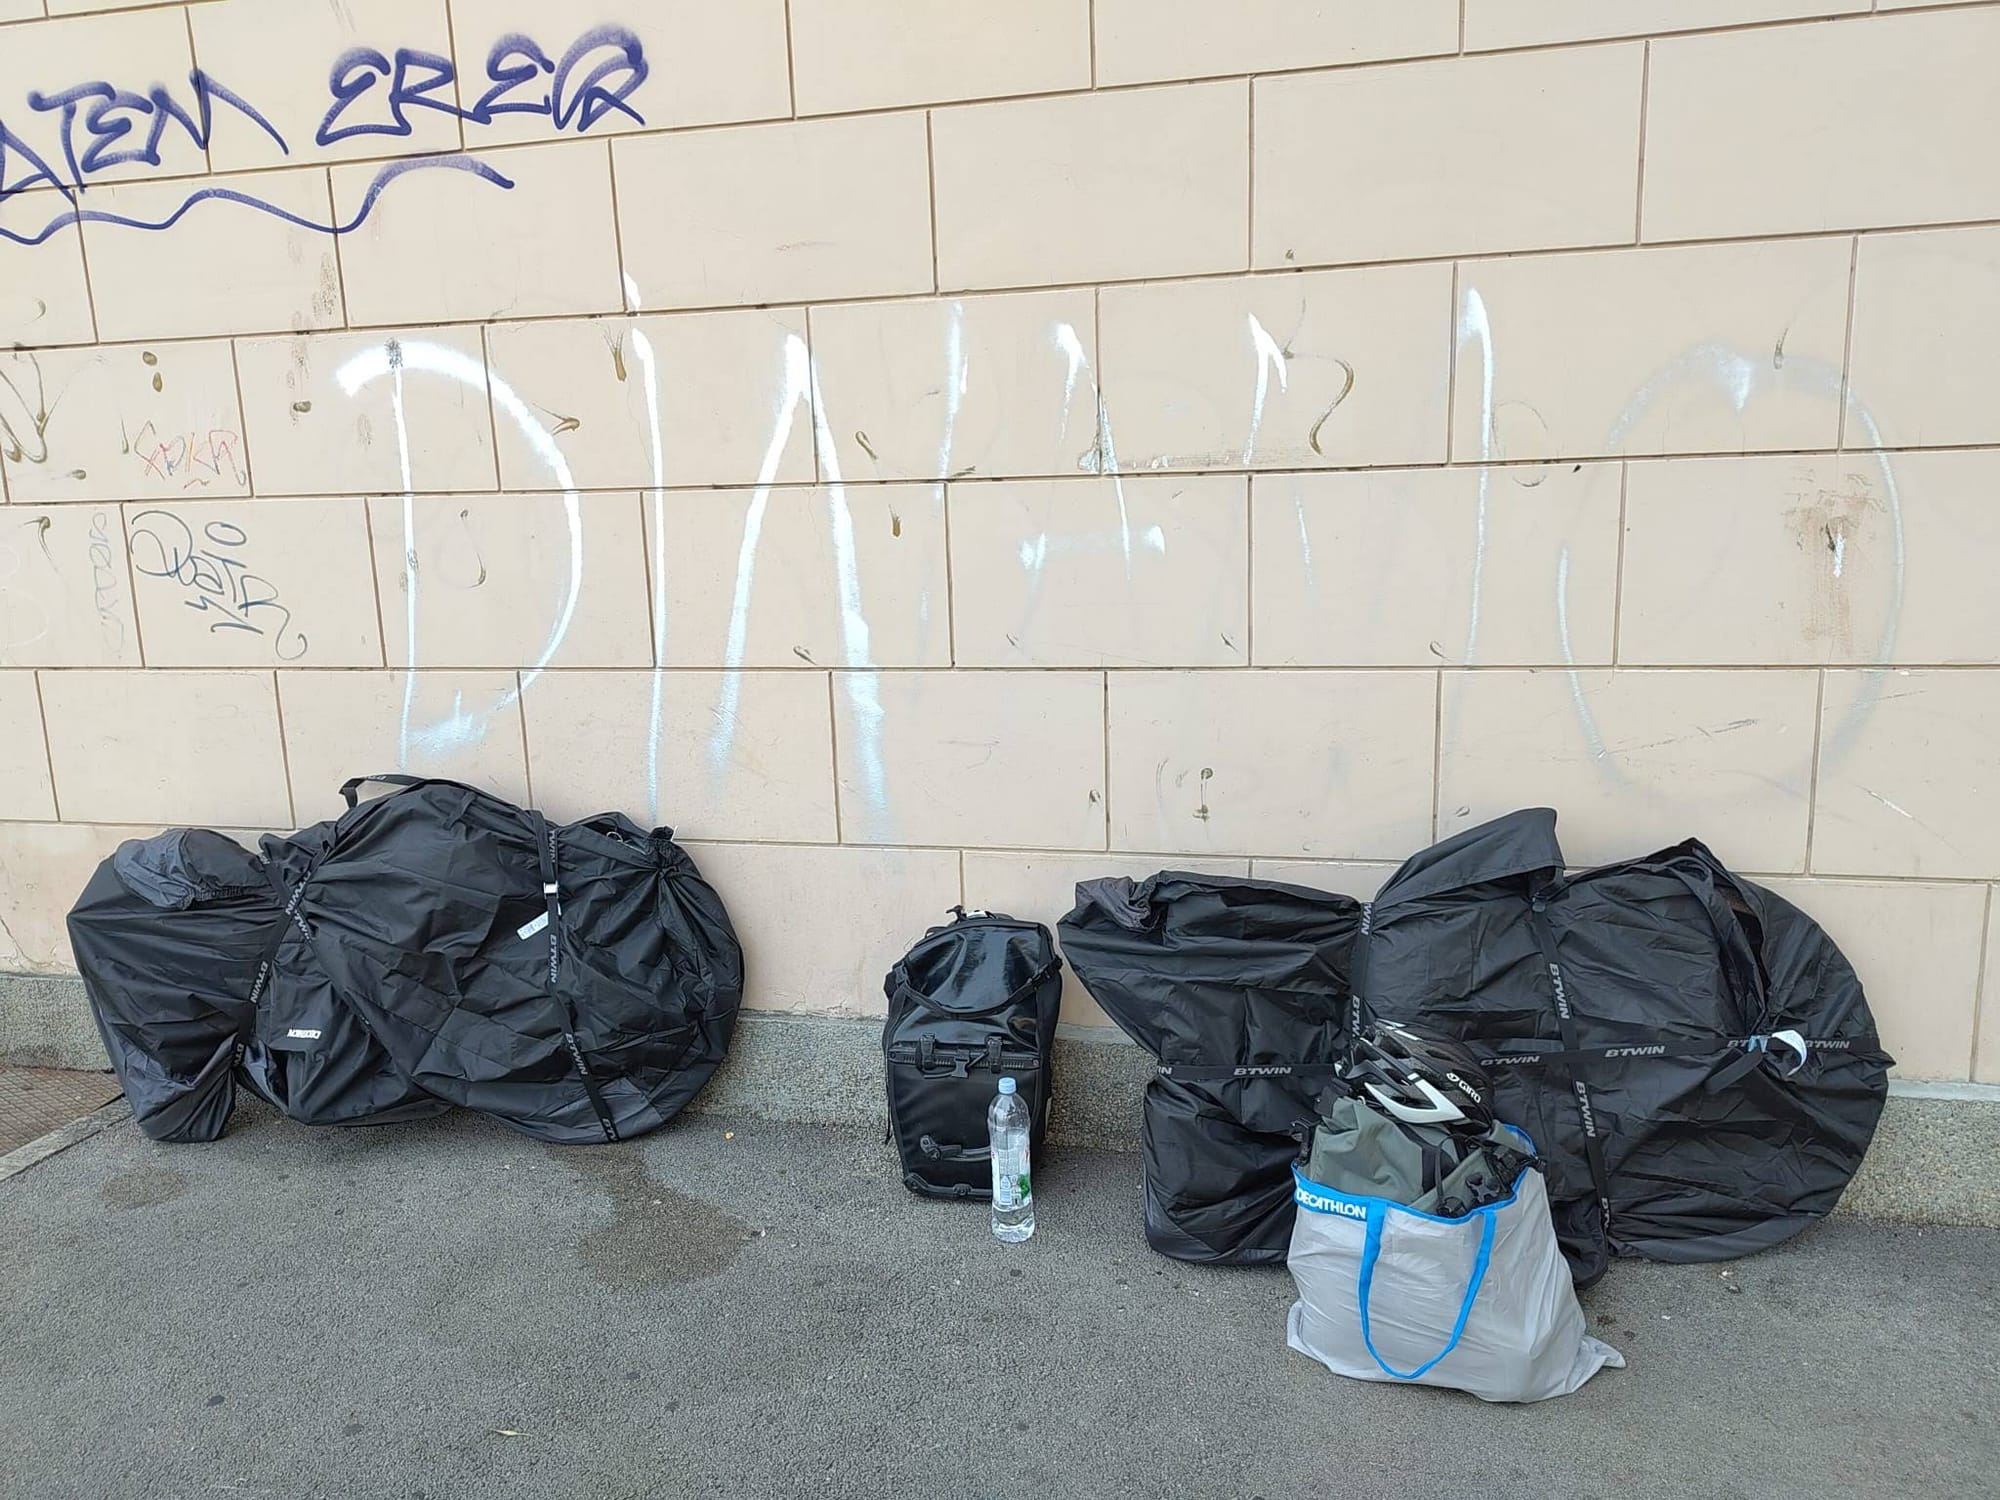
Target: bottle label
[{"x": 1011, "y": 1187}]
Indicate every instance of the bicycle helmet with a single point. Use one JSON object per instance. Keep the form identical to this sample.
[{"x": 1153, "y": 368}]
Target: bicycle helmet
[{"x": 1419, "y": 1079}]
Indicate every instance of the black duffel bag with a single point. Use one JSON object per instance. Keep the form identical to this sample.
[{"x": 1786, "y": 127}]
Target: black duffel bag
[{"x": 973, "y": 1001}]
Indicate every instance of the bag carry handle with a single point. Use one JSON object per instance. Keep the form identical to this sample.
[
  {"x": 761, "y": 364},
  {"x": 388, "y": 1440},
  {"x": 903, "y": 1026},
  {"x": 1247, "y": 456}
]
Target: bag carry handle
[
  {"x": 1373, "y": 1250},
  {"x": 938, "y": 1151}
]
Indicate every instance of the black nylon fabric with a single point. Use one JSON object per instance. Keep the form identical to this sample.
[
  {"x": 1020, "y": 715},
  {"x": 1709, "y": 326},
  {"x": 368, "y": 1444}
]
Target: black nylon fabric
[
  {"x": 972, "y": 1001},
  {"x": 1237, "y": 987},
  {"x": 1674, "y": 973},
  {"x": 400, "y": 982},
  {"x": 1668, "y": 964}
]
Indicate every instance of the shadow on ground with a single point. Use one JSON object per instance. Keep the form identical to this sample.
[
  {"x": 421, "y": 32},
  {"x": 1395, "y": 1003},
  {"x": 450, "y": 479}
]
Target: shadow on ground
[{"x": 448, "y": 1310}]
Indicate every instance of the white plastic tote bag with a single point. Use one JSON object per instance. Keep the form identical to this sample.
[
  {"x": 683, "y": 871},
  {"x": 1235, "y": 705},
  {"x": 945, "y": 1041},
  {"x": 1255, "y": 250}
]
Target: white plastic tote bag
[{"x": 1482, "y": 1303}]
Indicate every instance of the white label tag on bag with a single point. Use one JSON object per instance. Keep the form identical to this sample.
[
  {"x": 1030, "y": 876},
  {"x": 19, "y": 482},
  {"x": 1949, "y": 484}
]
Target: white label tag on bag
[{"x": 531, "y": 928}]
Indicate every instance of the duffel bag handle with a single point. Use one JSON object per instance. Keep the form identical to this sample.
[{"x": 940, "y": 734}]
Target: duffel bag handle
[
  {"x": 1372, "y": 1251},
  {"x": 938, "y": 1151}
]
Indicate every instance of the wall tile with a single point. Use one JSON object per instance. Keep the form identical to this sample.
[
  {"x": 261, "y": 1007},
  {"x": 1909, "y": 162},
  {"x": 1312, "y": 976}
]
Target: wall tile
[
  {"x": 1704, "y": 349},
  {"x": 1336, "y": 764},
  {"x": 1100, "y": 572},
  {"x": 259, "y": 583},
  {"x": 696, "y": 235},
  {"x": 721, "y": 380},
  {"x": 1831, "y": 559},
  {"x": 1087, "y": 188},
  {"x": 1916, "y": 948},
  {"x": 1360, "y": 879},
  {"x": 44, "y": 298},
  {"x": 1142, "y": 40},
  {"x": 1882, "y": 120},
  {"x": 131, "y": 52},
  {"x": 1506, "y": 566},
  {"x": 1042, "y": 888},
  {"x": 1908, "y": 782},
  {"x": 312, "y": 437},
  {"x": 21, "y": 10},
  {"x": 750, "y": 758},
  {"x": 457, "y": 246},
  {"x": 789, "y": 576},
  {"x": 284, "y": 60},
  {"x": 958, "y": 386},
  {"x": 122, "y": 423},
  {"x": 1469, "y": 155},
  {"x": 224, "y": 268},
  {"x": 26, "y": 792},
  {"x": 1926, "y": 328},
  {"x": 876, "y": 54},
  {"x": 65, "y": 594},
  {"x": 1635, "y": 761},
  {"x": 705, "y": 63},
  {"x": 1527, "y": 23},
  {"x": 465, "y": 726},
  {"x": 513, "y": 580},
  {"x": 42, "y": 867},
  {"x": 1008, "y": 759},
  {"x": 821, "y": 926},
  {"x": 1352, "y": 368},
  {"x": 199, "y": 748}
]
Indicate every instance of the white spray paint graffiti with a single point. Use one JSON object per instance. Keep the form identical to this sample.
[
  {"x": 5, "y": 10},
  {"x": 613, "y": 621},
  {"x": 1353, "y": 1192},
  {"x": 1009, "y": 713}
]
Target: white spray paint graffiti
[
  {"x": 797, "y": 388},
  {"x": 1270, "y": 358},
  {"x": 1474, "y": 323},
  {"x": 395, "y": 358},
  {"x": 657, "y": 572},
  {"x": 1105, "y": 457}
]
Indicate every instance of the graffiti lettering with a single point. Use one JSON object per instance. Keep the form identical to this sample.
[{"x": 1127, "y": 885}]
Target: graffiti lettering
[
  {"x": 196, "y": 459},
  {"x": 99, "y": 126},
  {"x": 215, "y": 577},
  {"x": 104, "y": 582}
]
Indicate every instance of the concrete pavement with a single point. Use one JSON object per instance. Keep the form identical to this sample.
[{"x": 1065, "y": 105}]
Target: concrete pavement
[{"x": 449, "y": 1310}]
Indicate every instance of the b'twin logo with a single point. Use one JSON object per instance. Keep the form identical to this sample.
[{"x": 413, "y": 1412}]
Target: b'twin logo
[
  {"x": 1583, "y": 1105},
  {"x": 1657, "y": 1050},
  {"x": 304, "y": 1034},
  {"x": 1321, "y": 1203},
  {"x": 1562, "y": 995},
  {"x": 1265, "y": 1072}
]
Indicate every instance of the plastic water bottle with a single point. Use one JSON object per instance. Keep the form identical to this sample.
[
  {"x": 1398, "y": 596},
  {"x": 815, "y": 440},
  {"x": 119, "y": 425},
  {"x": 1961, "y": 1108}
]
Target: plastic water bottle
[{"x": 1013, "y": 1192}]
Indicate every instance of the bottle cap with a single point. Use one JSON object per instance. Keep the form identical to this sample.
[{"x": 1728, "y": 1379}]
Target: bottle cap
[{"x": 1006, "y": 1085}]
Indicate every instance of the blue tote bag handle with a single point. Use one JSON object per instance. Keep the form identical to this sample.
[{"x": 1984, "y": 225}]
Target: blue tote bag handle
[{"x": 1372, "y": 1251}]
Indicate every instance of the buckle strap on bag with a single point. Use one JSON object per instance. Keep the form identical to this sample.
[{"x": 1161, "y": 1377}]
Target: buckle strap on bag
[
  {"x": 545, "y": 848},
  {"x": 937, "y": 1151},
  {"x": 289, "y": 898},
  {"x": 1545, "y": 939}
]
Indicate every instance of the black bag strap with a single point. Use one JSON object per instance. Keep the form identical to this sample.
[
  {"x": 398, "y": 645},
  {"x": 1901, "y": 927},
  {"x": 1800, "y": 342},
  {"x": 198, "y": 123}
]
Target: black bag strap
[
  {"x": 938, "y": 1151},
  {"x": 1545, "y": 939},
  {"x": 545, "y": 848}
]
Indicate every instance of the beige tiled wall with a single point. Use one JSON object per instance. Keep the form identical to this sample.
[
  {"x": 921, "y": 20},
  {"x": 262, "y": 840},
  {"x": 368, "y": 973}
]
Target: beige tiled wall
[{"x": 928, "y": 452}]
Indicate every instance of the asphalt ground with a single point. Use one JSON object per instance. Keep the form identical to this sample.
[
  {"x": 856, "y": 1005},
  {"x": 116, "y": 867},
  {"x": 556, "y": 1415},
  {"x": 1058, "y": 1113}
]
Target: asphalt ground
[{"x": 450, "y": 1310}]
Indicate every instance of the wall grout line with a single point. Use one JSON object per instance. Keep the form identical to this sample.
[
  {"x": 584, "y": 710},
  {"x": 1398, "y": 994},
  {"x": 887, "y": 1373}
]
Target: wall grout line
[
  {"x": 117, "y": 508},
  {"x": 527, "y": 757},
  {"x": 1437, "y": 758},
  {"x": 950, "y": 596},
  {"x": 1250, "y": 173},
  {"x": 243, "y": 426},
  {"x": 1461, "y": 28},
  {"x": 1249, "y": 571},
  {"x": 922, "y": 294},
  {"x": 1322, "y": 668},
  {"x": 930, "y": 182},
  {"x": 1090, "y": 20},
  {"x": 819, "y": 474},
  {"x": 1451, "y": 369},
  {"x": 833, "y": 733},
  {"x": 339, "y": 266},
  {"x": 1847, "y": 346},
  {"x": 791, "y": 67},
  {"x": 375, "y": 578},
  {"x": 1645, "y": 97},
  {"x": 1107, "y": 759},
  {"x": 625, "y": 278},
  {"x": 48, "y": 744},
  {"x": 492, "y": 431},
  {"x": 1812, "y": 774},
  {"x": 1979, "y": 982},
  {"x": 1618, "y": 577},
  {"x": 284, "y": 752}
]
